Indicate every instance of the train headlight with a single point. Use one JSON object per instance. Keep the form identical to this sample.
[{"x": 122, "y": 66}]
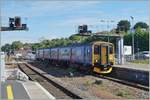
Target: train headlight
[{"x": 111, "y": 58}]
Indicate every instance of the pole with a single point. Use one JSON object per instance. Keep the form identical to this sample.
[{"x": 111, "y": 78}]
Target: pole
[
  {"x": 119, "y": 50},
  {"x": 108, "y": 31},
  {"x": 132, "y": 39},
  {"x": 108, "y": 36},
  {"x": 2, "y": 66}
]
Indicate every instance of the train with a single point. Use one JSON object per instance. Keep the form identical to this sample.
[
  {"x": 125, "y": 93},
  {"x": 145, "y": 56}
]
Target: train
[{"x": 96, "y": 56}]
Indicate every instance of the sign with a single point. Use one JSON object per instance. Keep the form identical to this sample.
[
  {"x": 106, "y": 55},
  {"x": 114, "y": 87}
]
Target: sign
[{"x": 127, "y": 50}]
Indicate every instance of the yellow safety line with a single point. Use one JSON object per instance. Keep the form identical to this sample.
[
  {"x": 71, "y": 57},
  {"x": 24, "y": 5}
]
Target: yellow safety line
[{"x": 10, "y": 95}]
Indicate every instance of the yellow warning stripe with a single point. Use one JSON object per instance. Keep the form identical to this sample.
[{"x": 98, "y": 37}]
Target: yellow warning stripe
[{"x": 10, "y": 95}]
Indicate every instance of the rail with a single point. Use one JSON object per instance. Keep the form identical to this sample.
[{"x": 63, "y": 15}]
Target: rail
[{"x": 55, "y": 89}]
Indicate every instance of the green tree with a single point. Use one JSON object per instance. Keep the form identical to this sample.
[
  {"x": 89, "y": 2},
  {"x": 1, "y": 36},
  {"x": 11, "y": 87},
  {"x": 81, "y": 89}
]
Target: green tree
[
  {"x": 16, "y": 45},
  {"x": 141, "y": 25},
  {"x": 27, "y": 45},
  {"x": 45, "y": 43},
  {"x": 6, "y": 48},
  {"x": 141, "y": 40},
  {"x": 123, "y": 25},
  {"x": 75, "y": 38},
  {"x": 35, "y": 46}
]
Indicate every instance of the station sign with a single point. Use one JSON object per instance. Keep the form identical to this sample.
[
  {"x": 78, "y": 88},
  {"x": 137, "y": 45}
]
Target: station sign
[{"x": 127, "y": 50}]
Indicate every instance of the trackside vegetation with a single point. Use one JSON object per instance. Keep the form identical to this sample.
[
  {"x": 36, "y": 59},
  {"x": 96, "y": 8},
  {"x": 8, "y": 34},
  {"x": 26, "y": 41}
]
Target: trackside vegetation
[{"x": 141, "y": 40}]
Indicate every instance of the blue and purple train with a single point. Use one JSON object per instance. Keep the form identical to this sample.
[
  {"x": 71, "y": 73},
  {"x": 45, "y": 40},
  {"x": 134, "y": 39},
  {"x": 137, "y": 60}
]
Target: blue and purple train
[{"x": 95, "y": 56}]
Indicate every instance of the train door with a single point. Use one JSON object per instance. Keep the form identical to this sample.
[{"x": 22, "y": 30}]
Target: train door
[
  {"x": 96, "y": 55},
  {"x": 104, "y": 55}
]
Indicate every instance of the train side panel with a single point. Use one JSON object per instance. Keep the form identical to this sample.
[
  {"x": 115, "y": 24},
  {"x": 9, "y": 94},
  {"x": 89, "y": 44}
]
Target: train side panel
[
  {"x": 64, "y": 54},
  {"x": 46, "y": 55},
  {"x": 88, "y": 55},
  {"x": 54, "y": 53},
  {"x": 77, "y": 55},
  {"x": 37, "y": 54},
  {"x": 40, "y": 54}
]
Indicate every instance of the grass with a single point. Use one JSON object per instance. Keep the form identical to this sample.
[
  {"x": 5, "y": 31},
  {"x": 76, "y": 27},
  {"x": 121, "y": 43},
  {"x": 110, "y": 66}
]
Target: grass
[
  {"x": 121, "y": 93},
  {"x": 87, "y": 83},
  {"x": 141, "y": 61},
  {"x": 124, "y": 93}
]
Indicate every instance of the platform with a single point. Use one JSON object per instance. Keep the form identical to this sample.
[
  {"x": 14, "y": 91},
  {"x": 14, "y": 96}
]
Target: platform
[
  {"x": 144, "y": 67},
  {"x": 20, "y": 90}
]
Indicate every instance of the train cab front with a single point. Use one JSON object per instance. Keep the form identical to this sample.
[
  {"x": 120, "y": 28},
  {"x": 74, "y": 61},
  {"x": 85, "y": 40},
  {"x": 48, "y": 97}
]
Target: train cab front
[{"x": 103, "y": 58}]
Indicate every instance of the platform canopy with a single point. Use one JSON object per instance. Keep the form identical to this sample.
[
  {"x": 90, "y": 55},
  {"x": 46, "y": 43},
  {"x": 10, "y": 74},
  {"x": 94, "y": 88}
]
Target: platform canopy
[{"x": 119, "y": 42}]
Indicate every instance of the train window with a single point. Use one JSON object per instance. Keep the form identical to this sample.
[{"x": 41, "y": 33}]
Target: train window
[
  {"x": 110, "y": 49},
  {"x": 96, "y": 49}
]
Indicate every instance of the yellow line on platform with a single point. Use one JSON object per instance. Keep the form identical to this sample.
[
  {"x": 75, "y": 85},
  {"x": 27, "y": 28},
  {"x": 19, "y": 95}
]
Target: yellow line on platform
[{"x": 10, "y": 95}]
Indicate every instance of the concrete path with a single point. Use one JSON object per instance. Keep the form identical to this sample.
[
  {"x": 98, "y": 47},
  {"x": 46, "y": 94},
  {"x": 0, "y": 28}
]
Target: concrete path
[
  {"x": 20, "y": 90},
  {"x": 13, "y": 90}
]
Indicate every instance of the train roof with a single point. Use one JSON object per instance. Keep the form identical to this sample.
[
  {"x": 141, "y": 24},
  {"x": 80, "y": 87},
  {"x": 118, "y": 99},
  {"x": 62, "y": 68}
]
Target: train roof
[
  {"x": 100, "y": 42},
  {"x": 78, "y": 44}
]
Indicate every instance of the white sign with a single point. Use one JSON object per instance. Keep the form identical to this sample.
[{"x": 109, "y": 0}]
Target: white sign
[{"x": 127, "y": 50}]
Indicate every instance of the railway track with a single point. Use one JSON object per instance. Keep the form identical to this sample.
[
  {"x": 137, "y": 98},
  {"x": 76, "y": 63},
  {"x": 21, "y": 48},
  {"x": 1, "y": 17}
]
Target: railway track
[
  {"x": 132, "y": 84},
  {"x": 113, "y": 77},
  {"x": 56, "y": 90}
]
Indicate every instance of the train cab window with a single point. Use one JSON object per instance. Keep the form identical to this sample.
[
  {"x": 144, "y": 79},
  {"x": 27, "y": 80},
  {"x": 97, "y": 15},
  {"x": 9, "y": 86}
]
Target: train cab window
[
  {"x": 96, "y": 49},
  {"x": 110, "y": 49}
]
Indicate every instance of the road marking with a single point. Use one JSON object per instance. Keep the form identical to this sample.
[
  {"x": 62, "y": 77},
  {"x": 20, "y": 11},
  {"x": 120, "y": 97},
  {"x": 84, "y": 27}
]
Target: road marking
[{"x": 10, "y": 95}]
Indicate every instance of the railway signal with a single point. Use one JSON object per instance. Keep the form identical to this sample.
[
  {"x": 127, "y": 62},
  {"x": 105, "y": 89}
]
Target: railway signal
[
  {"x": 15, "y": 24},
  {"x": 83, "y": 30}
]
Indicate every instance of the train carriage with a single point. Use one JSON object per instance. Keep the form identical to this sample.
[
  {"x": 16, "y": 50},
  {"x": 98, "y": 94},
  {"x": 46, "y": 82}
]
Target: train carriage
[
  {"x": 39, "y": 54},
  {"x": 96, "y": 56},
  {"x": 64, "y": 55},
  {"x": 54, "y": 54},
  {"x": 103, "y": 57},
  {"x": 46, "y": 54},
  {"x": 82, "y": 55}
]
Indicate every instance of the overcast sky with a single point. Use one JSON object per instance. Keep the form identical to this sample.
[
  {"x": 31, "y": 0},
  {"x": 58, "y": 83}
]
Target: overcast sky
[{"x": 56, "y": 19}]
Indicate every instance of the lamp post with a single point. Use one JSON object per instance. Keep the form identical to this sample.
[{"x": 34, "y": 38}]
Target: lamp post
[
  {"x": 108, "y": 22},
  {"x": 132, "y": 38}
]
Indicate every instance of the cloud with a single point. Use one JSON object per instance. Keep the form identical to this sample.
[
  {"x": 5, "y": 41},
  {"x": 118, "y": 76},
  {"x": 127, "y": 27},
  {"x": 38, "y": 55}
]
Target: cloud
[
  {"x": 60, "y": 17},
  {"x": 34, "y": 9},
  {"x": 39, "y": 8}
]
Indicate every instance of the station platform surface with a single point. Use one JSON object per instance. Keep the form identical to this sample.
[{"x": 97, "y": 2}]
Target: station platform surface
[
  {"x": 23, "y": 90},
  {"x": 144, "y": 67}
]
